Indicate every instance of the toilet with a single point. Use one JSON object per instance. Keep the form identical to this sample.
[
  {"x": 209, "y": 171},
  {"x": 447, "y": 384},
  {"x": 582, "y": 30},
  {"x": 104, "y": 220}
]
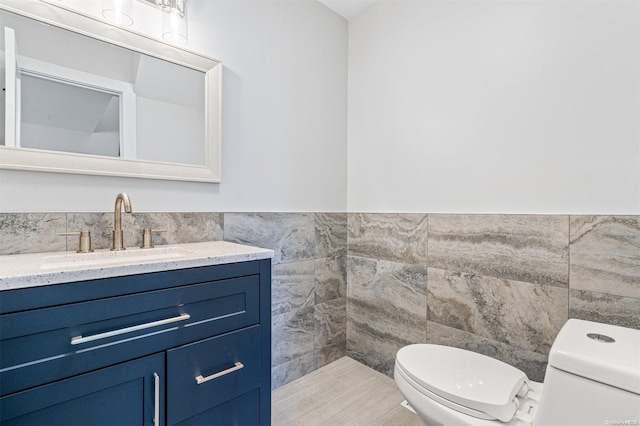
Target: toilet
[{"x": 592, "y": 378}]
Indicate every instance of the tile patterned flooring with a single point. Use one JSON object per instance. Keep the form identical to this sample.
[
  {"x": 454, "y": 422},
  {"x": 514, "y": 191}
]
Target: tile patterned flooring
[{"x": 342, "y": 393}]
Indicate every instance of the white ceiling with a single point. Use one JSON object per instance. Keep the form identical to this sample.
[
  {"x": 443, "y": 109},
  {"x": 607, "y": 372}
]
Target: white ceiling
[{"x": 348, "y": 8}]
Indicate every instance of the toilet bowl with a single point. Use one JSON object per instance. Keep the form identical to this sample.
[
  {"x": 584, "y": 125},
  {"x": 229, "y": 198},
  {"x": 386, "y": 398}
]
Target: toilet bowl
[{"x": 593, "y": 378}]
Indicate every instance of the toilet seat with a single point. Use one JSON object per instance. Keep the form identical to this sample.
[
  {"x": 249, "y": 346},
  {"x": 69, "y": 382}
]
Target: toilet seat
[
  {"x": 426, "y": 392},
  {"x": 464, "y": 381}
]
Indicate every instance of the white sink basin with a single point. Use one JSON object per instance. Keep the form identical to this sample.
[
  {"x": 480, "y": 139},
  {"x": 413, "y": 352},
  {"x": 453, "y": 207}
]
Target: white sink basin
[{"x": 98, "y": 258}]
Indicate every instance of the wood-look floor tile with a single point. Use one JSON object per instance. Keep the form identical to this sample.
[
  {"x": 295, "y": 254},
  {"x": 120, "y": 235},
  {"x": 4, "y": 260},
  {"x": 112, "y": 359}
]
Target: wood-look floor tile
[{"x": 344, "y": 392}]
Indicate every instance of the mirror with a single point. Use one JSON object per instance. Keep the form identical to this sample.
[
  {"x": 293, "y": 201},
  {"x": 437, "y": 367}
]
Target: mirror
[{"x": 82, "y": 96}]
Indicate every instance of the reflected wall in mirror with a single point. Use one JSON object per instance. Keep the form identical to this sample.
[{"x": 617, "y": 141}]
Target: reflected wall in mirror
[
  {"x": 66, "y": 116},
  {"x": 82, "y": 96}
]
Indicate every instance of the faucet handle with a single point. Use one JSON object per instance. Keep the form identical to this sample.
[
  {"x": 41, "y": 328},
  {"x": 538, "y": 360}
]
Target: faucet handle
[
  {"x": 84, "y": 240},
  {"x": 147, "y": 241}
]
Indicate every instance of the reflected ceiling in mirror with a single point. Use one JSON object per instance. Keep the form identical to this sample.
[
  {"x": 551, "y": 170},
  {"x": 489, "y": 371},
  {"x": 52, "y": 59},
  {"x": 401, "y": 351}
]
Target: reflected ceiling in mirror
[{"x": 82, "y": 96}]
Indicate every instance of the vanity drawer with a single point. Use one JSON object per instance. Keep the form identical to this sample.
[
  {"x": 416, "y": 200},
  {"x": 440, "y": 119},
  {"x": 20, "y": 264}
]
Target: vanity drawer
[
  {"x": 48, "y": 344},
  {"x": 210, "y": 372}
]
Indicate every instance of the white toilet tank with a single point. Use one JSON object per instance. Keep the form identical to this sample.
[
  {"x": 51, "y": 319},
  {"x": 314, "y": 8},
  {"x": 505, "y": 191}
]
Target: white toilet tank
[{"x": 593, "y": 377}]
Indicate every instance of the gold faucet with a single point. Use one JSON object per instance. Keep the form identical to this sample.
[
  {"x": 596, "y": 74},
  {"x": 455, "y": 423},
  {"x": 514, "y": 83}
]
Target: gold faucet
[{"x": 117, "y": 220}]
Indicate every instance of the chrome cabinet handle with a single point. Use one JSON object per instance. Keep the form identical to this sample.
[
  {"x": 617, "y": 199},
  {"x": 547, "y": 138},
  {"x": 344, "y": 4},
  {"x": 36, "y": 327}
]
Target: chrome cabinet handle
[
  {"x": 156, "y": 400},
  {"x": 200, "y": 380},
  {"x": 79, "y": 339}
]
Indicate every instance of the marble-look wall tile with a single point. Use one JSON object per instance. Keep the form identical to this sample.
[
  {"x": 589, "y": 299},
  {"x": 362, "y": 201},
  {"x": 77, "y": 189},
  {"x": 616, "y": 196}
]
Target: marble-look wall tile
[
  {"x": 293, "y": 335},
  {"x": 327, "y": 354},
  {"x": 290, "y": 235},
  {"x": 331, "y": 234},
  {"x": 330, "y": 278},
  {"x": 605, "y": 254},
  {"x": 394, "y": 237},
  {"x": 397, "y": 289},
  {"x": 292, "y": 370},
  {"x": 517, "y": 247},
  {"x": 374, "y": 335},
  {"x": 309, "y": 279},
  {"x": 386, "y": 309},
  {"x": 292, "y": 286},
  {"x": 533, "y": 364},
  {"x": 604, "y": 308},
  {"x": 181, "y": 228},
  {"x": 330, "y": 331},
  {"x": 32, "y": 232},
  {"x": 520, "y": 314}
]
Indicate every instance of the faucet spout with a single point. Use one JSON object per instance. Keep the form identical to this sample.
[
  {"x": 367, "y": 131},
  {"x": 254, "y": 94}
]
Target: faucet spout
[{"x": 118, "y": 237}]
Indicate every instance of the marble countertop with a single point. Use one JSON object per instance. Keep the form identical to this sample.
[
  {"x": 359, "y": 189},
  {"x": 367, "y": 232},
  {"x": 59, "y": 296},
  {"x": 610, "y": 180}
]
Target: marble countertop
[{"x": 39, "y": 269}]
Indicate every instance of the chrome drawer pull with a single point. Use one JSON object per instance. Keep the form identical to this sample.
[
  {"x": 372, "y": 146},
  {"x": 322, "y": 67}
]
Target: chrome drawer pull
[
  {"x": 156, "y": 399},
  {"x": 200, "y": 380},
  {"x": 79, "y": 339}
]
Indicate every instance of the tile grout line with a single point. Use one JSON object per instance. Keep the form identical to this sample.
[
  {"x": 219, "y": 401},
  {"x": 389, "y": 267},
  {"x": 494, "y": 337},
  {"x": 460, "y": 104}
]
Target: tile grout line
[
  {"x": 426, "y": 295},
  {"x": 569, "y": 267}
]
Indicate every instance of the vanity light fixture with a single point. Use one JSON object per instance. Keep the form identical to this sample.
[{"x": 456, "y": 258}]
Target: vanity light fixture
[
  {"x": 174, "y": 16},
  {"x": 118, "y": 11}
]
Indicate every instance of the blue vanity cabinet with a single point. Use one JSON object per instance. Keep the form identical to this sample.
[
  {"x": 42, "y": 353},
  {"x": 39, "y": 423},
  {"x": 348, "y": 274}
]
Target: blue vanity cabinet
[{"x": 186, "y": 346}]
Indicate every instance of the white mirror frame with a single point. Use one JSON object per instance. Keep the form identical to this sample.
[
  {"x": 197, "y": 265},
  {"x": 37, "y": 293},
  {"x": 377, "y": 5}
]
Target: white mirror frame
[{"x": 59, "y": 162}]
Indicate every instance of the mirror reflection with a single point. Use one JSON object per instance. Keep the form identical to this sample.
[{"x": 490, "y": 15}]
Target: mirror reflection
[
  {"x": 70, "y": 93},
  {"x": 61, "y": 116}
]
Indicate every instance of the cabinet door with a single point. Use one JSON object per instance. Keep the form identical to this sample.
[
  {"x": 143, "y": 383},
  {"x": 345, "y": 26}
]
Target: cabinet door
[
  {"x": 125, "y": 394},
  {"x": 241, "y": 410}
]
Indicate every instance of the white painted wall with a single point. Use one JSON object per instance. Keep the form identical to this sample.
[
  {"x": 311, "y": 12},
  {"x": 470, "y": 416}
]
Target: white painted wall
[
  {"x": 465, "y": 106},
  {"x": 495, "y": 107},
  {"x": 284, "y": 120}
]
